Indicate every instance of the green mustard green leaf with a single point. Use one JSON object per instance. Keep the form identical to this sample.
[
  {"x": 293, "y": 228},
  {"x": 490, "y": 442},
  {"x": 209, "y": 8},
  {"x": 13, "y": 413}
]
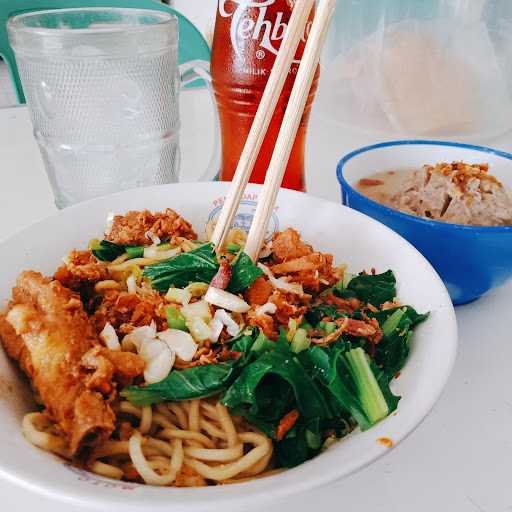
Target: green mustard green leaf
[
  {"x": 196, "y": 382},
  {"x": 374, "y": 289},
  {"x": 309, "y": 400},
  {"x": 108, "y": 251},
  {"x": 198, "y": 265},
  {"x": 244, "y": 273}
]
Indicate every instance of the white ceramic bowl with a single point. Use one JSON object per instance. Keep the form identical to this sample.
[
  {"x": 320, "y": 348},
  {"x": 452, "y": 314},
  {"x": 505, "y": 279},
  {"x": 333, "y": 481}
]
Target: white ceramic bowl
[{"x": 352, "y": 237}]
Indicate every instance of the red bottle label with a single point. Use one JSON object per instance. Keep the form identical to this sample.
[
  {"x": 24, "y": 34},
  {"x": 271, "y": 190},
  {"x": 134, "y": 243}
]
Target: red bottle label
[{"x": 260, "y": 24}]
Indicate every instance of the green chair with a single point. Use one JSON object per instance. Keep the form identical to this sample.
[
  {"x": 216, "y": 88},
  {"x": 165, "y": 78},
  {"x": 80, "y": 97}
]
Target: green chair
[{"x": 192, "y": 45}]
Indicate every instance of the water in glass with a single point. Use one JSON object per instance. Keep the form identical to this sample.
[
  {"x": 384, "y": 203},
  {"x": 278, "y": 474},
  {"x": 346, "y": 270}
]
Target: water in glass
[{"x": 102, "y": 89}]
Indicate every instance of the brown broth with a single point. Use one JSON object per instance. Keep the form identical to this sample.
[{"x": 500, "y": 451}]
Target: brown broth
[{"x": 383, "y": 185}]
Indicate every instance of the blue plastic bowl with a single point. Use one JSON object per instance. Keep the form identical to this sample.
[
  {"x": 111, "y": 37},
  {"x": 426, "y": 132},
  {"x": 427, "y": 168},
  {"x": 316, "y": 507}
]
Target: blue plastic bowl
[{"x": 471, "y": 260}]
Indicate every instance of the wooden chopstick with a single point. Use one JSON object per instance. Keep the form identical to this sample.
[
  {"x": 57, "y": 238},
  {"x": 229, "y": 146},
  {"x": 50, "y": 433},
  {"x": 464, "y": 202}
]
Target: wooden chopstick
[
  {"x": 271, "y": 94},
  {"x": 289, "y": 127}
]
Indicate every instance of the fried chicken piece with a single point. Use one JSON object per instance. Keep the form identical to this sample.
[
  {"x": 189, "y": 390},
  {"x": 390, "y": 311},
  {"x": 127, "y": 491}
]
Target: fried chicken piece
[
  {"x": 343, "y": 305},
  {"x": 81, "y": 268},
  {"x": 287, "y": 245},
  {"x": 297, "y": 260},
  {"x": 366, "y": 329},
  {"x": 48, "y": 332},
  {"x": 188, "y": 477},
  {"x": 288, "y": 305},
  {"x": 264, "y": 322},
  {"x": 125, "y": 311},
  {"x": 107, "y": 364},
  {"x": 101, "y": 378},
  {"x": 126, "y": 364},
  {"x": 131, "y": 229},
  {"x": 259, "y": 292},
  {"x": 312, "y": 271}
]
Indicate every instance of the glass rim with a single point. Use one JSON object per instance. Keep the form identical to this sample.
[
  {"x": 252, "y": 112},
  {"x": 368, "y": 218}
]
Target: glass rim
[{"x": 16, "y": 24}]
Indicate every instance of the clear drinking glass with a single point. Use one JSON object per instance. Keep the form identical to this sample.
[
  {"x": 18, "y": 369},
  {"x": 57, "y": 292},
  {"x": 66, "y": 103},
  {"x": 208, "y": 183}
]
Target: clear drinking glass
[{"x": 102, "y": 88}]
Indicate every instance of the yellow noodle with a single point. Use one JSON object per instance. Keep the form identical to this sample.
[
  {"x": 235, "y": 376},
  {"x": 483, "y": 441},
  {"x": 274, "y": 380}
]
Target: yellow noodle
[
  {"x": 143, "y": 467},
  {"x": 211, "y": 444},
  {"x": 178, "y": 456},
  {"x": 100, "y": 468},
  {"x": 258, "y": 467},
  {"x": 164, "y": 411},
  {"x": 162, "y": 446},
  {"x": 180, "y": 415},
  {"x": 120, "y": 259},
  {"x": 209, "y": 409},
  {"x": 226, "y": 471},
  {"x": 193, "y": 416},
  {"x": 109, "y": 448},
  {"x": 146, "y": 419},
  {"x": 236, "y": 236},
  {"x": 187, "y": 434},
  {"x": 131, "y": 409},
  {"x": 215, "y": 454},
  {"x": 163, "y": 422},
  {"x": 211, "y": 429},
  {"x": 138, "y": 262},
  {"x": 108, "y": 284},
  {"x": 187, "y": 246},
  {"x": 32, "y": 428},
  {"x": 227, "y": 424},
  {"x": 159, "y": 463}
]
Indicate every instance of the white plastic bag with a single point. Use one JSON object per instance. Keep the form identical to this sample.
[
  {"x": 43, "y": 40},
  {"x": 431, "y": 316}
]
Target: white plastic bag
[{"x": 436, "y": 78}]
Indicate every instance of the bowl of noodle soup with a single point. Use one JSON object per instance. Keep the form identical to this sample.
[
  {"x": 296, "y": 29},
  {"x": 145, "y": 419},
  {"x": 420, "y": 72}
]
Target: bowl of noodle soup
[{"x": 351, "y": 237}]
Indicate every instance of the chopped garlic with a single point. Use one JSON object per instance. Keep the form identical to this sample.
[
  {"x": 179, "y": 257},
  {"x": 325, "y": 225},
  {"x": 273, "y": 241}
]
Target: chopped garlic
[
  {"x": 281, "y": 283},
  {"x": 216, "y": 327},
  {"x": 199, "y": 309},
  {"x": 154, "y": 239},
  {"x": 109, "y": 336},
  {"x": 181, "y": 342},
  {"x": 267, "y": 309},
  {"x": 151, "y": 348},
  {"x": 226, "y": 300},
  {"x": 159, "y": 366},
  {"x": 199, "y": 329},
  {"x": 133, "y": 341},
  {"x": 131, "y": 284},
  {"x": 231, "y": 326},
  {"x": 154, "y": 253},
  {"x": 197, "y": 289},
  {"x": 157, "y": 354},
  {"x": 179, "y": 296}
]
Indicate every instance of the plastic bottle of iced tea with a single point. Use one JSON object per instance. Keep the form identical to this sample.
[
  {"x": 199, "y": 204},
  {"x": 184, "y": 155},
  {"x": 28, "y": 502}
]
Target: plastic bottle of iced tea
[{"x": 248, "y": 34}]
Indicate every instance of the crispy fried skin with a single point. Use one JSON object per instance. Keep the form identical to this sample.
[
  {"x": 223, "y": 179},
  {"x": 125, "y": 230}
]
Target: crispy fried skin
[
  {"x": 47, "y": 330},
  {"x": 125, "y": 311},
  {"x": 259, "y": 293},
  {"x": 287, "y": 245},
  {"x": 131, "y": 229},
  {"x": 81, "y": 268},
  {"x": 300, "y": 263}
]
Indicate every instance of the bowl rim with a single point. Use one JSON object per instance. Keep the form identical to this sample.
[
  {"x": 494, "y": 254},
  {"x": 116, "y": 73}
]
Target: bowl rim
[{"x": 475, "y": 230}]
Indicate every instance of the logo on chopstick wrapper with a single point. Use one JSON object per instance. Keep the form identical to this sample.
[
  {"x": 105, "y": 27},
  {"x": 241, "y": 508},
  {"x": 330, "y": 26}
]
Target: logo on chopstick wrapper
[{"x": 245, "y": 215}]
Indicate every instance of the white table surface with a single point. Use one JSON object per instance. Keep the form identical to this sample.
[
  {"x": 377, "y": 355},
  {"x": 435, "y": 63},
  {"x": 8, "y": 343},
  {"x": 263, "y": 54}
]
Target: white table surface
[{"x": 458, "y": 460}]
